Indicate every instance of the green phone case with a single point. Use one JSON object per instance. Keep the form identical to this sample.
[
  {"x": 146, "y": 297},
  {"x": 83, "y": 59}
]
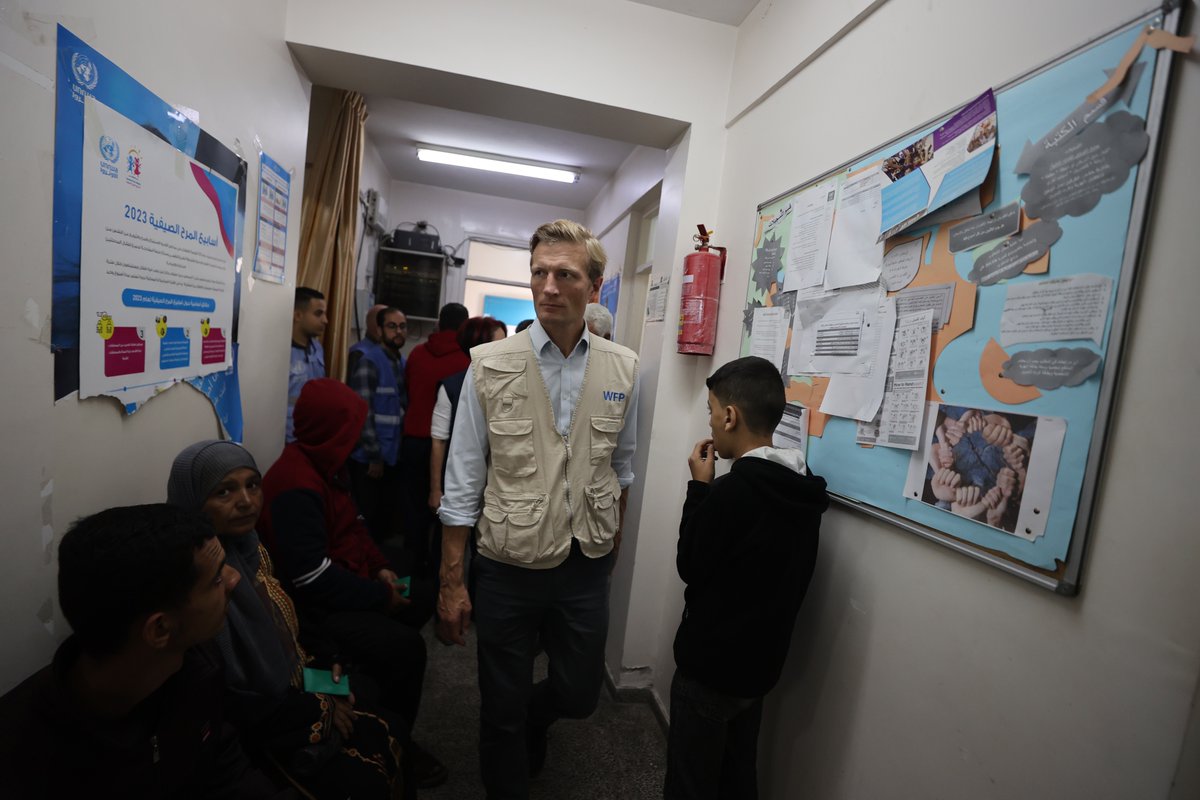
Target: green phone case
[{"x": 321, "y": 680}]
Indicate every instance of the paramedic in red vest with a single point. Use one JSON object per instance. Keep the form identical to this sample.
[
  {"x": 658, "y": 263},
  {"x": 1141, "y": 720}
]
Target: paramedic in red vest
[
  {"x": 541, "y": 459},
  {"x": 429, "y": 364},
  {"x": 378, "y": 379}
]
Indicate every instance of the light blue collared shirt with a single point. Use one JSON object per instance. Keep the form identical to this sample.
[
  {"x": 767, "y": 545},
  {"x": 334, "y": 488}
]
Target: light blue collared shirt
[
  {"x": 466, "y": 464},
  {"x": 307, "y": 364}
]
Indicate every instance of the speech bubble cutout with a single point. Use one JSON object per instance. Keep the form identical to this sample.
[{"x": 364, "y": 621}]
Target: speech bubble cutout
[
  {"x": 986, "y": 228},
  {"x": 1050, "y": 369},
  {"x": 1079, "y": 119},
  {"x": 900, "y": 264},
  {"x": 766, "y": 263},
  {"x": 1014, "y": 253},
  {"x": 1069, "y": 180},
  {"x": 786, "y": 301}
]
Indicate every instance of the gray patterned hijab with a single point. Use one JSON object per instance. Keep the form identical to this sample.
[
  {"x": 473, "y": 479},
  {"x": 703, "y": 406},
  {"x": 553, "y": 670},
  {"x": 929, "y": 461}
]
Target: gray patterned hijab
[{"x": 256, "y": 664}]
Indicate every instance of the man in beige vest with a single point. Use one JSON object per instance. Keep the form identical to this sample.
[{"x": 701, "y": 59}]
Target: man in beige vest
[{"x": 540, "y": 463}]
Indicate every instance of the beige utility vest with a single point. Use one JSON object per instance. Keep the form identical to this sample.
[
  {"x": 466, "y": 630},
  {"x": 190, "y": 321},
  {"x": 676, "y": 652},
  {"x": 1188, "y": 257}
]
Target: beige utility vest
[{"x": 543, "y": 488}]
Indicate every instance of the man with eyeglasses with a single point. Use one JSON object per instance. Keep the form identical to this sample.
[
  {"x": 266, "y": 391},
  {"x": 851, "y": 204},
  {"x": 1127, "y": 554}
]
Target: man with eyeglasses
[{"x": 378, "y": 379}]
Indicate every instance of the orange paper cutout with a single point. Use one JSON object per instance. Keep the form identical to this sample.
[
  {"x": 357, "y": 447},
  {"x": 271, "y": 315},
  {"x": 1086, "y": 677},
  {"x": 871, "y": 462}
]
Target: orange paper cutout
[
  {"x": 810, "y": 396},
  {"x": 1152, "y": 37},
  {"x": 758, "y": 231},
  {"x": 1006, "y": 391}
]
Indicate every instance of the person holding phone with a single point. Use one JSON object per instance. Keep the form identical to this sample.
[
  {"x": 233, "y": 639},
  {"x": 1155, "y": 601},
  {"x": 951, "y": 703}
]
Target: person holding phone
[{"x": 261, "y": 646}]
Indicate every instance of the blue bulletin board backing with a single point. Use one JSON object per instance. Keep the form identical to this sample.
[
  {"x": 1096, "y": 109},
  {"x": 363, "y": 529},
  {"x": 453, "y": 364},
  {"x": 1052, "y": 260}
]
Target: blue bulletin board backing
[{"x": 1105, "y": 241}]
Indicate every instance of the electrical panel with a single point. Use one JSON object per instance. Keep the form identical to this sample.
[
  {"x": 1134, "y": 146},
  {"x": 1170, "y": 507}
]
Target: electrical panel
[
  {"x": 376, "y": 210},
  {"x": 410, "y": 280}
]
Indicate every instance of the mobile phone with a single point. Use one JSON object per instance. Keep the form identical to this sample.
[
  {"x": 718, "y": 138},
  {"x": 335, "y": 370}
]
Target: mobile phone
[
  {"x": 404, "y": 585},
  {"x": 321, "y": 680}
]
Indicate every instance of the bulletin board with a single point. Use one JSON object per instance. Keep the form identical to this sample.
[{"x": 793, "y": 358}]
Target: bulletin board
[{"x": 1023, "y": 422}]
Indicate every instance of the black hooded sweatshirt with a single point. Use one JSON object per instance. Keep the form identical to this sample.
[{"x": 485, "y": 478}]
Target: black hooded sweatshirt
[{"x": 747, "y": 548}]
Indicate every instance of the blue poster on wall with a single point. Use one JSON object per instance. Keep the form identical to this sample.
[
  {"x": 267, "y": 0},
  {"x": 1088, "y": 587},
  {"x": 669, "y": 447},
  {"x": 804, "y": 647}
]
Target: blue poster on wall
[
  {"x": 610, "y": 293},
  {"x": 84, "y": 72},
  {"x": 509, "y": 310}
]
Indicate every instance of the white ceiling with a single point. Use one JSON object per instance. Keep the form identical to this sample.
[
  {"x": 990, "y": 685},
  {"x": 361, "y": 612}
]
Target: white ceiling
[
  {"x": 727, "y": 12},
  {"x": 408, "y": 104},
  {"x": 395, "y": 126}
]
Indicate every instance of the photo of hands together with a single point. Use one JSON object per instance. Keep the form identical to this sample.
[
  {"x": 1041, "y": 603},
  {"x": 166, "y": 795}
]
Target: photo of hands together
[{"x": 978, "y": 461}]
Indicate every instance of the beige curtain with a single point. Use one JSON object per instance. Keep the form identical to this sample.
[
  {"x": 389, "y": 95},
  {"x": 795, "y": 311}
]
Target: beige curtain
[{"x": 329, "y": 221}]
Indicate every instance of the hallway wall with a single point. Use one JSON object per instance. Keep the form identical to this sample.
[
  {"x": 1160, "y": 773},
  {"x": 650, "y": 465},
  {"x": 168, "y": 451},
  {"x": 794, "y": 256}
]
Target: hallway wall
[
  {"x": 916, "y": 672},
  {"x": 65, "y": 460}
]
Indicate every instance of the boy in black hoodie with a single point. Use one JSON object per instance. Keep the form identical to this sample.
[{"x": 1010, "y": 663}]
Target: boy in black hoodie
[{"x": 747, "y": 547}]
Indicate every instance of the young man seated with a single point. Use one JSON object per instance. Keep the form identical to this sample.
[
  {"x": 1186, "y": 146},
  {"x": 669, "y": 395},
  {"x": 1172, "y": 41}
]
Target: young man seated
[{"x": 131, "y": 706}]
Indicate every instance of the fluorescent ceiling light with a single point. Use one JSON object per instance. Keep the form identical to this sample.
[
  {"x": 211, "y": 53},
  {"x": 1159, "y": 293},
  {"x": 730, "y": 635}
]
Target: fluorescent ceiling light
[{"x": 494, "y": 163}]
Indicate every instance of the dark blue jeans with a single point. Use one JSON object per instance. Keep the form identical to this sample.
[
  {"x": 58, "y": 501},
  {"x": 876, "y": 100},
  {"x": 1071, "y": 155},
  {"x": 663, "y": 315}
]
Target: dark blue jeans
[
  {"x": 712, "y": 747},
  {"x": 567, "y": 607}
]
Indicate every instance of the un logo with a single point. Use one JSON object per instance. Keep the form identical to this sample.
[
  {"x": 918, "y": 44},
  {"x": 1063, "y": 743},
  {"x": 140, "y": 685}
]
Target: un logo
[
  {"x": 84, "y": 71},
  {"x": 109, "y": 149}
]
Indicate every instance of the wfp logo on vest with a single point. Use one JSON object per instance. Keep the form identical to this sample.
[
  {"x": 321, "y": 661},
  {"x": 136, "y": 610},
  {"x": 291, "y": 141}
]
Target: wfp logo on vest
[{"x": 616, "y": 397}]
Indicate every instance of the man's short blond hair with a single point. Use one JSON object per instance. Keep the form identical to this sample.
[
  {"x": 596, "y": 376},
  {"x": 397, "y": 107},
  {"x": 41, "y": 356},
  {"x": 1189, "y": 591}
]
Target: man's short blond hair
[{"x": 564, "y": 230}]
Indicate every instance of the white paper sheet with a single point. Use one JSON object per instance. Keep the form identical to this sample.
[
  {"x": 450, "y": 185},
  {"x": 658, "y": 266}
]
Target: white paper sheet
[
  {"x": 901, "y": 416},
  {"x": 938, "y": 298},
  {"x": 940, "y": 167},
  {"x": 855, "y": 257},
  {"x": 859, "y": 396},
  {"x": 656, "y": 298},
  {"x": 918, "y": 463},
  {"x": 158, "y": 272},
  {"x": 792, "y": 430},
  {"x": 768, "y": 334},
  {"x": 808, "y": 243},
  {"x": 821, "y": 317},
  {"x": 1059, "y": 309}
]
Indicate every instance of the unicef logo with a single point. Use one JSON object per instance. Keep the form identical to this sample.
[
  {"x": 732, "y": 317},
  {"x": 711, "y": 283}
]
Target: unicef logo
[
  {"x": 110, "y": 149},
  {"x": 85, "y": 71}
]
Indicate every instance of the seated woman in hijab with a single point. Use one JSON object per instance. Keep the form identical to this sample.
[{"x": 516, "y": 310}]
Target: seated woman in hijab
[{"x": 327, "y": 743}]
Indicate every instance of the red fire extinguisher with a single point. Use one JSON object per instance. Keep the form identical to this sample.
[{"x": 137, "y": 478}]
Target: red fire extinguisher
[{"x": 703, "y": 272}]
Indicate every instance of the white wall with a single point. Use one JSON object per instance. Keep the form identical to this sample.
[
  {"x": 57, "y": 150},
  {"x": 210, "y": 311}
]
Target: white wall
[
  {"x": 458, "y": 215},
  {"x": 88, "y": 455},
  {"x": 374, "y": 175},
  {"x": 916, "y": 672},
  {"x": 636, "y": 176},
  {"x": 610, "y": 217},
  {"x": 777, "y": 39},
  {"x": 604, "y": 51}
]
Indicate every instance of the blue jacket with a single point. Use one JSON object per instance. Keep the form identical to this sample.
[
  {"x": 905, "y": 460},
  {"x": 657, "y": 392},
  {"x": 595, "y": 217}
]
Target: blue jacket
[
  {"x": 308, "y": 363},
  {"x": 356, "y": 352},
  {"x": 386, "y": 402}
]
